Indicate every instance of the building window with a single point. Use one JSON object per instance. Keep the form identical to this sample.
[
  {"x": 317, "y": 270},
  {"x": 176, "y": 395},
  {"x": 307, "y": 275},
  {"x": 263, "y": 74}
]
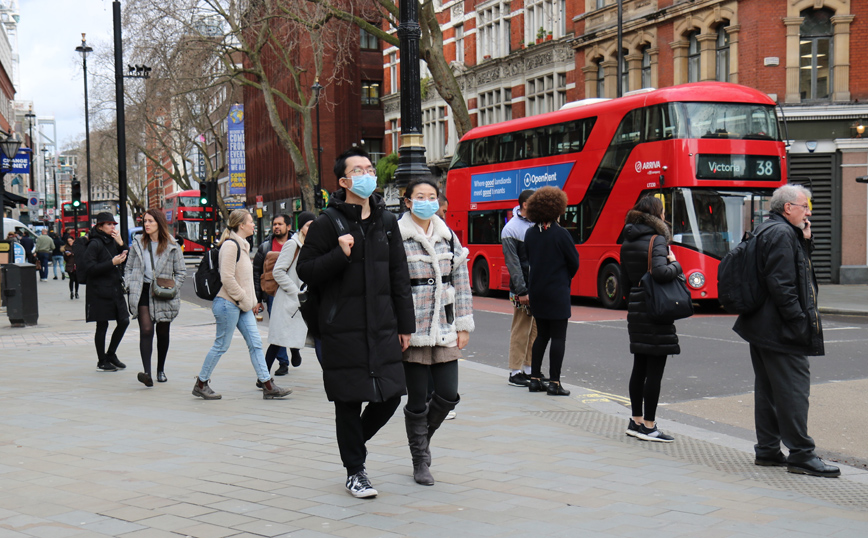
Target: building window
[
  {"x": 368, "y": 41},
  {"x": 646, "y": 67},
  {"x": 601, "y": 4},
  {"x": 815, "y": 52},
  {"x": 722, "y": 53},
  {"x": 493, "y": 30},
  {"x": 625, "y": 73},
  {"x": 370, "y": 93},
  {"x": 393, "y": 72},
  {"x": 435, "y": 132},
  {"x": 459, "y": 43},
  {"x": 393, "y": 126},
  {"x": 374, "y": 147},
  {"x": 601, "y": 79},
  {"x": 693, "y": 58},
  {"x": 546, "y": 94},
  {"x": 550, "y": 15},
  {"x": 495, "y": 106}
]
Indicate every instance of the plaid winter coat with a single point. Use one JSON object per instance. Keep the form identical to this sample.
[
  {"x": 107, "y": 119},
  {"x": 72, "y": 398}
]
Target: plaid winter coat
[
  {"x": 169, "y": 264},
  {"x": 429, "y": 259}
]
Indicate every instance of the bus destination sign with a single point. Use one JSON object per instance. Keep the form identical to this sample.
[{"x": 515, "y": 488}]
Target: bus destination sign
[
  {"x": 507, "y": 185},
  {"x": 743, "y": 167}
]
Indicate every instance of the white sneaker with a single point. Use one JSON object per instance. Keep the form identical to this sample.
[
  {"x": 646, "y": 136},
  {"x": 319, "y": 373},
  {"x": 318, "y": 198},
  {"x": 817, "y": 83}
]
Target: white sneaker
[
  {"x": 359, "y": 486},
  {"x": 653, "y": 434},
  {"x": 450, "y": 415}
]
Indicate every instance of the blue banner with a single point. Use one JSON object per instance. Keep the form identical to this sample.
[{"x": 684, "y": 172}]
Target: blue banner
[
  {"x": 20, "y": 164},
  {"x": 507, "y": 185},
  {"x": 237, "y": 164}
]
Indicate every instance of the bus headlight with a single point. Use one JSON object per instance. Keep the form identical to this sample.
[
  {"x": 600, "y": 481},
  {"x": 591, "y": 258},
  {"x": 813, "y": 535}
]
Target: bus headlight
[{"x": 696, "y": 280}]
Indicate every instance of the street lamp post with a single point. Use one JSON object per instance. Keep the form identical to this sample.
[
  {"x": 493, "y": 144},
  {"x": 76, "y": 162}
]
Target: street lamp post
[
  {"x": 83, "y": 49},
  {"x": 318, "y": 199},
  {"x": 9, "y": 146},
  {"x": 30, "y": 117}
]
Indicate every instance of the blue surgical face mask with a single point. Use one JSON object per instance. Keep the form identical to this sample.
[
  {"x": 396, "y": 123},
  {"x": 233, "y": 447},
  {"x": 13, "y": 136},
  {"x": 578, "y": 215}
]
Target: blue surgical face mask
[
  {"x": 364, "y": 185},
  {"x": 425, "y": 209}
]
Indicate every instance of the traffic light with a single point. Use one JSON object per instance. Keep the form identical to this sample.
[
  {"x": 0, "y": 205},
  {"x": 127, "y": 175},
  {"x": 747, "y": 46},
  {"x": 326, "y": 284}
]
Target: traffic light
[
  {"x": 208, "y": 193},
  {"x": 203, "y": 195},
  {"x": 76, "y": 194}
]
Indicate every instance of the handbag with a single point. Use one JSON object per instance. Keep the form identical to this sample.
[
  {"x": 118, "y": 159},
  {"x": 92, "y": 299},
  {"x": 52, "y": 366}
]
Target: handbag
[
  {"x": 161, "y": 288},
  {"x": 665, "y": 301}
]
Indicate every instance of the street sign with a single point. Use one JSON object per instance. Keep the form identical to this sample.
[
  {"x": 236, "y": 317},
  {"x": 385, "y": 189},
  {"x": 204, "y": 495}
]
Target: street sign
[{"x": 259, "y": 201}]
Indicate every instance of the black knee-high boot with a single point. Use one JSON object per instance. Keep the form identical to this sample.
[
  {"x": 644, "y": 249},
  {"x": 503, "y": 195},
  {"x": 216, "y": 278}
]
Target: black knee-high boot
[
  {"x": 417, "y": 438},
  {"x": 438, "y": 408}
]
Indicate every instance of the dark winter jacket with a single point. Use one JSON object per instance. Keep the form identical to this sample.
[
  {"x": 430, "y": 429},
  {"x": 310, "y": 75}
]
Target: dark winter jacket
[
  {"x": 789, "y": 320},
  {"x": 259, "y": 263},
  {"x": 646, "y": 336},
  {"x": 365, "y": 302},
  {"x": 104, "y": 300},
  {"x": 514, "y": 253},
  {"x": 553, "y": 261}
]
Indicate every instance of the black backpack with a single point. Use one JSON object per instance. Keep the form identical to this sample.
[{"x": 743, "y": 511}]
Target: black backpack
[
  {"x": 740, "y": 288},
  {"x": 206, "y": 282},
  {"x": 79, "y": 248}
]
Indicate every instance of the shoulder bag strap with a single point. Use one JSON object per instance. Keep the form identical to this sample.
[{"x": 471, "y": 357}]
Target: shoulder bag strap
[
  {"x": 294, "y": 256},
  {"x": 650, "y": 246}
]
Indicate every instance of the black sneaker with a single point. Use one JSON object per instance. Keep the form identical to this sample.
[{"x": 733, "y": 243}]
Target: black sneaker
[
  {"x": 653, "y": 434},
  {"x": 520, "y": 379},
  {"x": 106, "y": 367},
  {"x": 632, "y": 428},
  {"x": 283, "y": 370},
  {"x": 359, "y": 486},
  {"x": 113, "y": 359}
]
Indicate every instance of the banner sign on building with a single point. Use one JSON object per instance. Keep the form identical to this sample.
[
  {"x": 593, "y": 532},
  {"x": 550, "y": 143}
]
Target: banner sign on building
[
  {"x": 237, "y": 165},
  {"x": 508, "y": 185},
  {"x": 201, "y": 164},
  {"x": 20, "y": 164}
]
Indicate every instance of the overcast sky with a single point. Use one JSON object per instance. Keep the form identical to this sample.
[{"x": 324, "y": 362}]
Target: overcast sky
[{"x": 50, "y": 69}]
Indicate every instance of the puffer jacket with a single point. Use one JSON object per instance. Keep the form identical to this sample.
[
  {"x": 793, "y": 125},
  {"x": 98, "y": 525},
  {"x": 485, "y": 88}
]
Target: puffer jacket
[
  {"x": 169, "y": 264},
  {"x": 104, "y": 293},
  {"x": 430, "y": 258},
  {"x": 514, "y": 252},
  {"x": 789, "y": 319},
  {"x": 364, "y": 302},
  {"x": 646, "y": 336}
]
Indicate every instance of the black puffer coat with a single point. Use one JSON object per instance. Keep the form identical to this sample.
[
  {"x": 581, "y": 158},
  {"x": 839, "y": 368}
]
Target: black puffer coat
[
  {"x": 104, "y": 298},
  {"x": 365, "y": 302},
  {"x": 646, "y": 336},
  {"x": 788, "y": 320}
]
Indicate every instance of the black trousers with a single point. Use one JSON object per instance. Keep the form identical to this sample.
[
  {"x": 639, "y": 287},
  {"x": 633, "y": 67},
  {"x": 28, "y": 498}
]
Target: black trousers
[
  {"x": 554, "y": 330},
  {"x": 355, "y": 427},
  {"x": 781, "y": 391},
  {"x": 645, "y": 384}
]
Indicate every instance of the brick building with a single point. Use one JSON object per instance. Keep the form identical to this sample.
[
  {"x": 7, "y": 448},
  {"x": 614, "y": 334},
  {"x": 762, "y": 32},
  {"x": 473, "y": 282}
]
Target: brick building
[{"x": 515, "y": 58}]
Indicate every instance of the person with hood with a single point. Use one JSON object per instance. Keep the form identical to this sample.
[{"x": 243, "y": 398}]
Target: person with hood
[
  {"x": 286, "y": 327},
  {"x": 104, "y": 293},
  {"x": 366, "y": 315},
  {"x": 154, "y": 255},
  {"x": 650, "y": 342}
]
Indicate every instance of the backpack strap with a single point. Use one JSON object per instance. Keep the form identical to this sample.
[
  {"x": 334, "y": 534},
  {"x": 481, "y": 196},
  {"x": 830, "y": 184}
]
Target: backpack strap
[{"x": 340, "y": 223}]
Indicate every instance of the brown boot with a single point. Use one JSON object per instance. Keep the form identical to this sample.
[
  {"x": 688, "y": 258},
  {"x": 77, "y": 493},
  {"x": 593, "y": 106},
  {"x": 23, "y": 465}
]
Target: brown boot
[
  {"x": 202, "y": 390},
  {"x": 270, "y": 390}
]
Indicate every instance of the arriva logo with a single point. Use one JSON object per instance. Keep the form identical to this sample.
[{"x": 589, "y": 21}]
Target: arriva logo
[
  {"x": 724, "y": 167},
  {"x": 532, "y": 180},
  {"x": 647, "y": 165}
]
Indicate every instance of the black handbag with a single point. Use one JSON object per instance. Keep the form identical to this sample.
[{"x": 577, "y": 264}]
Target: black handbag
[{"x": 665, "y": 301}]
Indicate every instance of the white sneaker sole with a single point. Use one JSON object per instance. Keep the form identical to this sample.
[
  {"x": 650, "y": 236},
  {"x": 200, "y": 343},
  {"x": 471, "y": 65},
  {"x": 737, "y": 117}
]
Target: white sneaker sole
[
  {"x": 366, "y": 494},
  {"x": 632, "y": 433},
  {"x": 653, "y": 439}
]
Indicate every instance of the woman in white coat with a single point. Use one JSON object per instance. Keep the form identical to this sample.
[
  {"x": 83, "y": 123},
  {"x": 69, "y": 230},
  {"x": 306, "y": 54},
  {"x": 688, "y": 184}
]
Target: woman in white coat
[{"x": 287, "y": 328}]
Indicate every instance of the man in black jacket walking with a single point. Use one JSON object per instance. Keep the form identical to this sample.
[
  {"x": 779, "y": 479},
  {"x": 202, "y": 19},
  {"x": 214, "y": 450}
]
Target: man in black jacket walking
[
  {"x": 366, "y": 313},
  {"x": 782, "y": 333}
]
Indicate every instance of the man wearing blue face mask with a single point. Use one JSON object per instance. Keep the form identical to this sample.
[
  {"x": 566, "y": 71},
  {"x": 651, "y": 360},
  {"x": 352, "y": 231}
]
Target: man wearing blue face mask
[{"x": 366, "y": 317}]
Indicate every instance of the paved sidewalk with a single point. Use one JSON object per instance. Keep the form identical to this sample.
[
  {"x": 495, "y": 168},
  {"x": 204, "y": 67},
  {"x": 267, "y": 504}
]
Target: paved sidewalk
[{"x": 97, "y": 454}]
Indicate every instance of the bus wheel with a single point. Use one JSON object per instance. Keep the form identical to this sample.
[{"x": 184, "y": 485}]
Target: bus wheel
[
  {"x": 609, "y": 286},
  {"x": 480, "y": 278}
]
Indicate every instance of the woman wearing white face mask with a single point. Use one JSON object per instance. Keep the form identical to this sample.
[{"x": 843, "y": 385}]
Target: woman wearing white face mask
[{"x": 444, "y": 319}]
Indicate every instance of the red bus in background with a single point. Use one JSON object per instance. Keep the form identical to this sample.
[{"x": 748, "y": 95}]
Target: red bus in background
[
  {"x": 189, "y": 220},
  {"x": 67, "y": 218},
  {"x": 711, "y": 151}
]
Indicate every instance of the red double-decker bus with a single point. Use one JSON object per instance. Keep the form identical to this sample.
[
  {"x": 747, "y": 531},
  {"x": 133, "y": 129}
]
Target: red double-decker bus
[
  {"x": 68, "y": 219},
  {"x": 711, "y": 151},
  {"x": 189, "y": 220}
]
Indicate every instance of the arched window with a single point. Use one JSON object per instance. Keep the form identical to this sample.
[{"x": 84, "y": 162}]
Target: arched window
[
  {"x": 722, "y": 53},
  {"x": 601, "y": 79},
  {"x": 693, "y": 58},
  {"x": 625, "y": 73},
  {"x": 646, "y": 67},
  {"x": 815, "y": 53}
]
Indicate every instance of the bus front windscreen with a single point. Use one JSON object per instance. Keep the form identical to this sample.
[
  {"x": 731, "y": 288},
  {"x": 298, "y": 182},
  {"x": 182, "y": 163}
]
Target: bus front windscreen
[
  {"x": 713, "y": 221},
  {"x": 732, "y": 121}
]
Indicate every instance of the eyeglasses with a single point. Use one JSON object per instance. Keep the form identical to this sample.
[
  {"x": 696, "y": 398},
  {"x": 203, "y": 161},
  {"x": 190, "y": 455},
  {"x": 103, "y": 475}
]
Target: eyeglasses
[
  {"x": 807, "y": 207},
  {"x": 359, "y": 171}
]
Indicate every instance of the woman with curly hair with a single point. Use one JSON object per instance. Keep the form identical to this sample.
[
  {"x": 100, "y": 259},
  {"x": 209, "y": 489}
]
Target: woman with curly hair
[{"x": 553, "y": 263}]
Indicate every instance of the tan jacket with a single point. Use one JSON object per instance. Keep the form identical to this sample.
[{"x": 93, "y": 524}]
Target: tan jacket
[{"x": 237, "y": 278}]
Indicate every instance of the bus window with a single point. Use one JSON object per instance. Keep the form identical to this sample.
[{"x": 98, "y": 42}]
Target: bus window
[
  {"x": 485, "y": 226},
  {"x": 630, "y": 130},
  {"x": 480, "y": 155},
  {"x": 732, "y": 121},
  {"x": 663, "y": 122},
  {"x": 507, "y": 146},
  {"x": 462, "y": 157}
]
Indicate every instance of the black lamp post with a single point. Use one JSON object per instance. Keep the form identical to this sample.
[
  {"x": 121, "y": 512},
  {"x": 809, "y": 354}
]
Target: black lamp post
[
  {"x": 30, "y": 117},
  {"x": 84, "y": 50},
  {"x": 8, "y": 147},
  {"x": 318, "y": 200},
  {"x": 411, "y": 155}
]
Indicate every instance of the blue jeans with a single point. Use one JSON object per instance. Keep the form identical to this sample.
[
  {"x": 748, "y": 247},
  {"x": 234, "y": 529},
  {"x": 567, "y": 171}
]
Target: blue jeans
[
  {"x": 57, "y": 262},
  {"x": 282, "y": 357},
  {"x": 44, "y": 258},
  {"x": 229, "y": 317}
]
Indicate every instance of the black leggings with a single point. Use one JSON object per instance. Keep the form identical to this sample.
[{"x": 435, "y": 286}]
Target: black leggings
[
  {"x": 146, "y": 340},
  {"x": 445, "y": 376},
  {"x": 117, "y": 336},
  {"x": 271, "y": 354},
  {"x": 73, "y": 279},
  {"x": 645, "y": 384},
  {"x": 556, "y": 331}
]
